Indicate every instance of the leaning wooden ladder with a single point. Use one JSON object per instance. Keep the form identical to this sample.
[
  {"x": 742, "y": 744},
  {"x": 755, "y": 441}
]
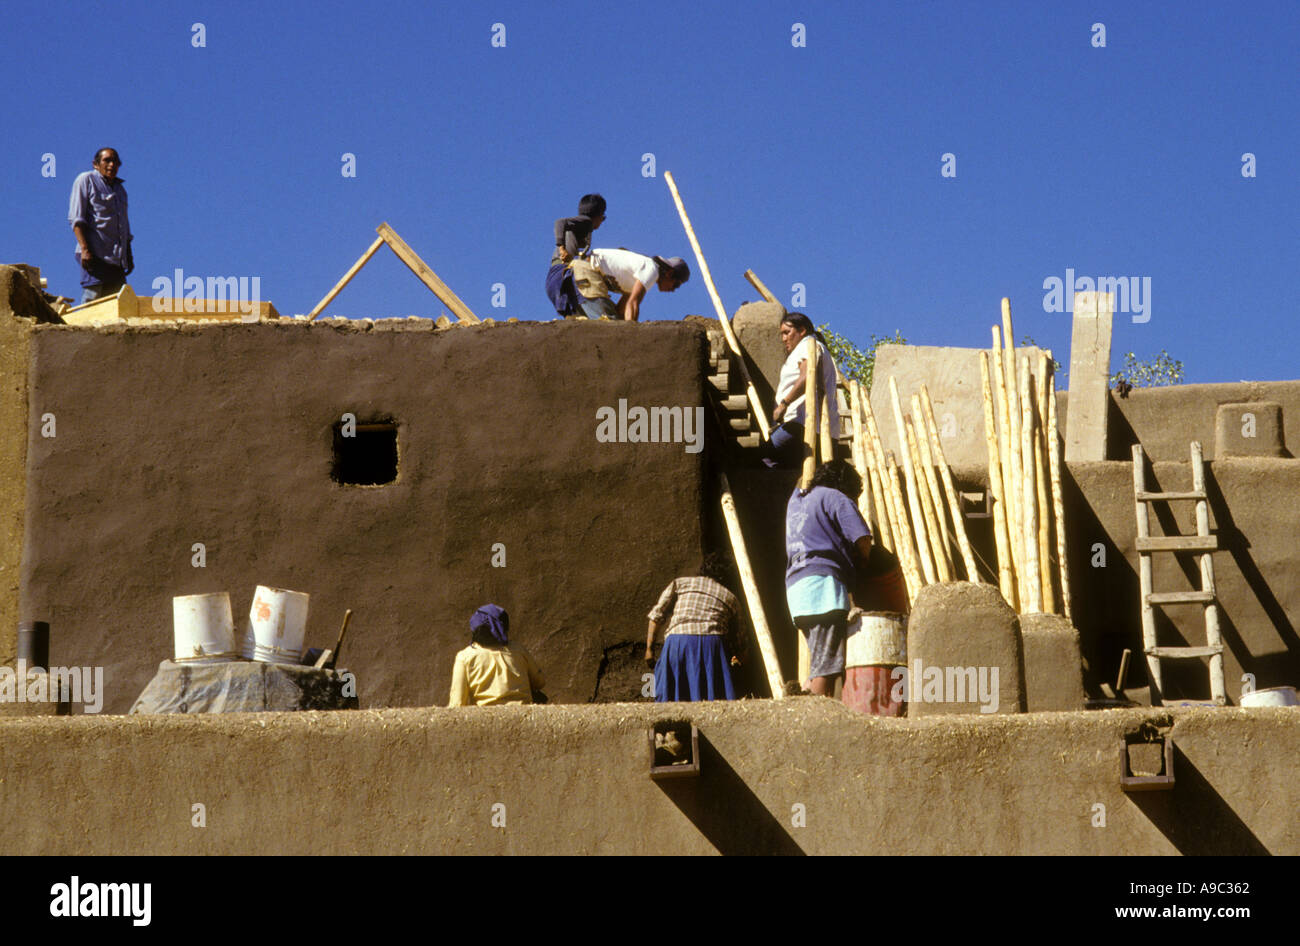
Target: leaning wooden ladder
[{"x": 1203, "y": 545}]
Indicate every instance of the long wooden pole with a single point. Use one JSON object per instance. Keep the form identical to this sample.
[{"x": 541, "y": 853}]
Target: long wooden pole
[
  {"x": 766, "y": 648},
  {"x": 1033, "y": 601},
  {"x": 760, "y": 414},
  {"x": 829, "y": 403},
  {"x": 942, "y": 540},
  {"x": 347, "y": 278},
  {"x": 1054, "y": 460},
  {"x": 913, "y": 497},
  {"x": 1006, "y": 571},
  {"x": 810, "y": 389},
  {"x": 425, "y": 274},
  {"x": 950, "y": 490},
  {"x": 762, "y": 290},
  {"x": 1040, "y": 483},
  {"x": 893, "y": 498},
  {"x": 1002, "y": 416},
  {"x": 879, "y": 497},
  {"x": 911, "y": 562},
  {"x": 928, "y": 491},
  {"x": 1011, "y": 474}
]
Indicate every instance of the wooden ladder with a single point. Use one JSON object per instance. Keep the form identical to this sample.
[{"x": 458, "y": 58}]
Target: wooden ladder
[{"x": 1203, "y": 545}]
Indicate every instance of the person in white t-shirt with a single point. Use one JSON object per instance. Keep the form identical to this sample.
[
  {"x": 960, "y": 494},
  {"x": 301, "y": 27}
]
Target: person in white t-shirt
[
  {"x": 628, "y": 273},
  {"x": 798, "y": 335}
]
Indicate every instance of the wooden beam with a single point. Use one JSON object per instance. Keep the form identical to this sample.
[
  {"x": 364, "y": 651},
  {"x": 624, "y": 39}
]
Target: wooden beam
[
  {"x": 347, "y": 278},
  {"x": 733, "y": 343},
  {"x": 425, "y": 274},
  {"x": 942, "y": 541},
  {"x": 766, "y": 648},
  {"x": 762, "y": 290}
]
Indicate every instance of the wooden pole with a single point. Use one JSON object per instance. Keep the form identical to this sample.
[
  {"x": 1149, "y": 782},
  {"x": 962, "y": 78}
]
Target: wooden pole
[
  {"x": 913, "y": 497},
  {"x": 1033, "y": 600},
  {"x": 829, "y": 402},
  {"x": 347, "y": 278},
  {"x": 762, "y": 290},
  {"x": 932, "y": 532},
  {"x": 760, "y": 414},
  {"x": 1040, "y": 484},
  {"x": 1003, "y": 417},
  {"x": 810, "y": 399},
  {"x": 893, "y": 500},
  {"x": 1006, "y": 570},
  {"x": 942, "y": 540},
  {"x": 425, "y": 274},
  {"x": 1012, "y": 477},
  {"x": 911, "y": 563},
  {"x": 1054, "y": 462},
  {"x": 766, "y": 649},
  {"x": 950, "y": 491},
  {"x": 879, "y": 497}
]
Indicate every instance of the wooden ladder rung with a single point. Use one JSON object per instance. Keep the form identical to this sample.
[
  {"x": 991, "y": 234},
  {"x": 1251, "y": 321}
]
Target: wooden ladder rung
[
  {"x": 1181, "y": 597},
  {"x": 1184, "y": 653},
  {"x": 1163, "y": 497},
  {"x": 1178, "y": 543}
]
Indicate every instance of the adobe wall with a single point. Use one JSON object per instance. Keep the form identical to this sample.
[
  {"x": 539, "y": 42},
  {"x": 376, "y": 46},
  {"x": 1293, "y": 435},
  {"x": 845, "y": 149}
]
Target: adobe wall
[
  {"x": 223, "y": 434},
  {"x": 1254, "y": 513},
  {"x": 17, "y": 298},
  {"x": 1166, "y": 420},
  {"x": 574, "y": 780}
]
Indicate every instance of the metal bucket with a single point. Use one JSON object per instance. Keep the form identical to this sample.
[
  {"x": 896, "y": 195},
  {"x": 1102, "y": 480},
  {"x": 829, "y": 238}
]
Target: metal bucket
[
  {"x": 1273, "y": 696},
  {"x": 876, "y": 646},
  {"x": 277, "y": 626},
  {"x": 203, "y": 626}
]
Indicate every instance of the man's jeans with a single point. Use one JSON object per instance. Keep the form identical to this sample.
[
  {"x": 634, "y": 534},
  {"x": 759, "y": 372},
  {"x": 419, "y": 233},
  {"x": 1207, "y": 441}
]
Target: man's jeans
[
  {"x": 595, "y": 308},
  {"x": 785, "y": 449}
]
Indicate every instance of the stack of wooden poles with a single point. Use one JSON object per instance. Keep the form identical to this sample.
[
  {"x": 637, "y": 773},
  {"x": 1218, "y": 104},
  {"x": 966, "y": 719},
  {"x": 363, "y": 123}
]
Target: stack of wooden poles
[
  {"x": 922, "y": 529},
  {"x": 1025, "y": 474},
  {"x": 915, "y": 510}
]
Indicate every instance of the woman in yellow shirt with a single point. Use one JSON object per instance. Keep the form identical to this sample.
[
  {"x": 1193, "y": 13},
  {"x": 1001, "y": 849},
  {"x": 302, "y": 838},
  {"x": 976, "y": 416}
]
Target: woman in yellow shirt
[{"x": 491, "y": 670}]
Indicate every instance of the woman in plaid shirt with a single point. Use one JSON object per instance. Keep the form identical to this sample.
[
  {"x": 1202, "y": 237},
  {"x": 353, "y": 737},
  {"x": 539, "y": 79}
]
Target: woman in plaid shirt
[{"x": 699, "y": 643}]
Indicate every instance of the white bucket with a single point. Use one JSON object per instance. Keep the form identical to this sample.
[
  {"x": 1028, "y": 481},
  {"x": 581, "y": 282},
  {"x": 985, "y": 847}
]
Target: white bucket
[
  {"x": 203, "y": 626},
  {"x": 877, "y": 639},
  {"x": 1273, "y": 696},
  {"x": 277, "y": 626}
]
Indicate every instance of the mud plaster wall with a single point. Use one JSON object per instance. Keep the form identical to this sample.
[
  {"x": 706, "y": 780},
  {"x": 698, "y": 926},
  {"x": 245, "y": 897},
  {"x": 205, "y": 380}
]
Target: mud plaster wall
[
  {"x": 223, "y": 435},
  {"x": 1026, "y": 784},
  {"x": 1254, "y": 512},
  {"x": 1166, "y": 420}
]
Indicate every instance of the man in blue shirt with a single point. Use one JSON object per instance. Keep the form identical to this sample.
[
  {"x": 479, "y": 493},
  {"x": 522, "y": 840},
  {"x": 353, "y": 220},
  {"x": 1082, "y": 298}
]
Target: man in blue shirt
[
  {"x": 97, "y": 212},
  {"x": 827, "y": 545}
]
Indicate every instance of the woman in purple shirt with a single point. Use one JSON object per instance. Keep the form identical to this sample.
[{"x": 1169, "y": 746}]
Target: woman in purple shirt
[{"x": 827, "y": 545}]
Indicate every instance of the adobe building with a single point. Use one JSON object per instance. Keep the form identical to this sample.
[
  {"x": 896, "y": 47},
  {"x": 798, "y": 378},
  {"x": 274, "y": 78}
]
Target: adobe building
[{"x": 148, "y": 461}]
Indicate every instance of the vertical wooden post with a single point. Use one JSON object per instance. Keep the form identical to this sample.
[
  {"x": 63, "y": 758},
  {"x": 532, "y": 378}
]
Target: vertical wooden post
[
  {"x": 810, "y": 428},
  {"x": 1006, "y": 570},
  {"x": 954, "y": 503},
  {"x": 1040, "y": 483},
  {"x": 1054, "y": 458},
  {"x": 1032, "y": 601},
  {"x": 766, "y": 648},
  {"x": 943, "y": 541},
  {"x": 913, "y": 497}
]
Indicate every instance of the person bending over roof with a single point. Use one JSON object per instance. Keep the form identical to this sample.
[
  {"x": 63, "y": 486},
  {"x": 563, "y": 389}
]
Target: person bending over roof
[{"x": 625, "y": 272}]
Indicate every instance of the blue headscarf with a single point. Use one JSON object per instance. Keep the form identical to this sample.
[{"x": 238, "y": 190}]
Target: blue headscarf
[{"x": 494, "y": 622}]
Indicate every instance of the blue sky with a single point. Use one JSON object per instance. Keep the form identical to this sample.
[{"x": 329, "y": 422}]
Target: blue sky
[{"x": 818, "y": 165}]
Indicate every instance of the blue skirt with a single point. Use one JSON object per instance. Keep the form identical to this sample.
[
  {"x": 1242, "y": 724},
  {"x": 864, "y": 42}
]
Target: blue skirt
[{"x": 693, "y": 667}]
